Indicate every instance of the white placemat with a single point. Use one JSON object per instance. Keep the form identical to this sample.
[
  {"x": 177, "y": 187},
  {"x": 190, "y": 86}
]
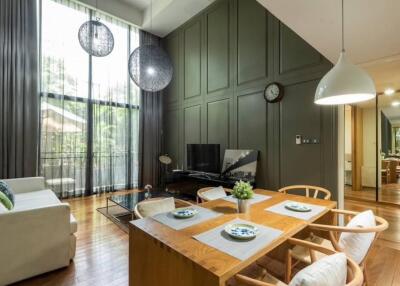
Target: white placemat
[
  {"x": 257, "y": 198},
  {"x": 280, "y": 209},
  {"x": 219, "y": 239},
  {"x": 179, "y": 223}
]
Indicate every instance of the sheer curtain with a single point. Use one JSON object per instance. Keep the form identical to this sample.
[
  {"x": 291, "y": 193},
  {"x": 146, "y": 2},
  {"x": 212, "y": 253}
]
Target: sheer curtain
[
  {"x": 89, "y": 106},
  {"x": 115, "y": 110}
]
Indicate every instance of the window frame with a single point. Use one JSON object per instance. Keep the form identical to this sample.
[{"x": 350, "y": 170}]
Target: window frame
[{"x": 90, "y": 188}]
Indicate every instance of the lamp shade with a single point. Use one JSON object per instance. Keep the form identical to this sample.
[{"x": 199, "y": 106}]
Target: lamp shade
[
  {"x": 150, "y": 68},
  {"x": 96, "y": 38},
  {"x": 345, "y": 83}
]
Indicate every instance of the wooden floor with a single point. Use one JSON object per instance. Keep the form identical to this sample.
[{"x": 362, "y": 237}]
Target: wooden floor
[
  {"x": 102, "y": 249},
  {"x": 389, "y": 193}
]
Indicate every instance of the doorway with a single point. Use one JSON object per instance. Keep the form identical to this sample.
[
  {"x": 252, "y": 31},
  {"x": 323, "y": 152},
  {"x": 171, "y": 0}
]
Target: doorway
[
  {"x": 372, "y": 150},
  {"x": 360, "y": 151}
]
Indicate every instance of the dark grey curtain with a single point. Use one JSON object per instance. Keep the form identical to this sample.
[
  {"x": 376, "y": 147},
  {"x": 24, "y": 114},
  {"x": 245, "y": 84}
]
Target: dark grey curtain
[
  {"x": 19, "y": 97},
  {"x": 150, "y": 128}
]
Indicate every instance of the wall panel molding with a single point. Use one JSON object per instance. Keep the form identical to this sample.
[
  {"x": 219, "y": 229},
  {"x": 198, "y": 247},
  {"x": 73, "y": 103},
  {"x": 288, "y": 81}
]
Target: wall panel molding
[
  {"x": 192, "y": 60},
  {"x": 172, "y": 47},
  {"x": 252, "y": 42},
  {"x": 218, "y": 119},
  {"x": 218, "y": 47},
  {"x": 227, "y": 55}
]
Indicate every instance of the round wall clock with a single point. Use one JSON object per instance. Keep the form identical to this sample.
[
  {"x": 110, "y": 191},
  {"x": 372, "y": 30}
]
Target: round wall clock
[{"x": 273, "y": 92}]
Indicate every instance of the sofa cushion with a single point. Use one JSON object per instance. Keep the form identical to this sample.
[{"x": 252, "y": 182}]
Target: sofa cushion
[
  {"x": 356, "y": 245},
  {"x": 72, "y": 246},
  {"x": 5, "y": 189},
  {"x": 3, "y": 209},
  {"x": 74, "y": 224},
  {"x": 33, "y": 200},
  {"x": 37, "y": 199}
]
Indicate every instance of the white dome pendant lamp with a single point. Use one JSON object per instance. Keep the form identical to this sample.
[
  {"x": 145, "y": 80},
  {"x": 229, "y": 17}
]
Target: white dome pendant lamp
[{"x": 345, "y": 83}]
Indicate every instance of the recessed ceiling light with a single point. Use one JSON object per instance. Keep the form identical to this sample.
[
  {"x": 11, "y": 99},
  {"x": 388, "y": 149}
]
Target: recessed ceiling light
[
  {"x": 395, "y": 103},
  {"x": 389, "y": 91}
]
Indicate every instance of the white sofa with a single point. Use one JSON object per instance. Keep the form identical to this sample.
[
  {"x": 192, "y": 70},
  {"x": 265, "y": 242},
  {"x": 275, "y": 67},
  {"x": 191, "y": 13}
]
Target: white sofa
[{"x": 37, "y": 236}]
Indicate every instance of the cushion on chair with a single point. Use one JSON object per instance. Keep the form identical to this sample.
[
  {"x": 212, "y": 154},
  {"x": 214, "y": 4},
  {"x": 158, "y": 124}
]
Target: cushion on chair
[
  {"x": 153, "y": 207},
  {"x": 214, "y": 193},
  {"x": 356, "y": 245},
  {"x": 329, "y": 271}
]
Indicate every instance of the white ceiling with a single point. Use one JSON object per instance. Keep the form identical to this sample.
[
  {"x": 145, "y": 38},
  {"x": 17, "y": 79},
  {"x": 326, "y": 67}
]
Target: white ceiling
[
  {"x": 371, "y": 27},
  {"x": 164, "y": 16},
  {"x": 139, "y": 4},
  {"x": 371, "y": 32}
]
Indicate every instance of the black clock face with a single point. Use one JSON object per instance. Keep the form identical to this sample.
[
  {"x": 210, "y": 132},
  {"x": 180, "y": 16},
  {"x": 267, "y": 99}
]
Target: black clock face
[{"x": 273, "y": 92}]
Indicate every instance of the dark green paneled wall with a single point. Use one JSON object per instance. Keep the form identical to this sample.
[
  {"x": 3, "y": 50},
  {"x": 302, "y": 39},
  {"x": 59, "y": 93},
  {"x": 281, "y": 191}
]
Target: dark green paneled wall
[{"x": 223, "y": 59}]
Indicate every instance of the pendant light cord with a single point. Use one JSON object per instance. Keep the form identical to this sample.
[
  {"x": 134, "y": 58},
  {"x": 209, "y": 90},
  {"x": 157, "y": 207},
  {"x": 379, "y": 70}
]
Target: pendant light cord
[
  {"x": 151, "y": 29},
  {"x": 343, "y": 26},
  {"x": 96, "y": 12}
]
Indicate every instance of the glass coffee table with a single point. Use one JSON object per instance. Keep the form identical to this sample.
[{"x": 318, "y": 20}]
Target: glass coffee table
[{"x": 129, "y": 201}]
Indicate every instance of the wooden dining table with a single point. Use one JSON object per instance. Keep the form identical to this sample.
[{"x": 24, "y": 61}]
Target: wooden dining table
[{"x": 160, "y": 255}]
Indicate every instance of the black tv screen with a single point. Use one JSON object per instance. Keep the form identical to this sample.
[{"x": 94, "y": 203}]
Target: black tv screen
[{"x": 203, "y": 158}]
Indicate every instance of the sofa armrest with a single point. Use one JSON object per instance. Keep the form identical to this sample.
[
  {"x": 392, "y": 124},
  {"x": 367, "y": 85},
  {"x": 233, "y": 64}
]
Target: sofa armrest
[
  {"x": 25, "y": 185},
  {"x": 33, "y": 242}
]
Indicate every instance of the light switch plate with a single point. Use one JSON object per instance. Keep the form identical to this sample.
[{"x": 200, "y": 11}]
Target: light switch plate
[{"x": 298, "y": 140}]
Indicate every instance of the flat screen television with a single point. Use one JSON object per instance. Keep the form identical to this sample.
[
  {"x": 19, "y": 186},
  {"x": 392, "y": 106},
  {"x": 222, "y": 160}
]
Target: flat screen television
[{"x": 203, "y": 158}]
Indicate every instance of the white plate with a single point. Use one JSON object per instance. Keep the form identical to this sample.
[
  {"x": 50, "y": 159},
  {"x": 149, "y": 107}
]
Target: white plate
[
  {"x": 297, "y": 207},
  {"x": 184, "y": 212},
  {"x": 241, "y": 231}
]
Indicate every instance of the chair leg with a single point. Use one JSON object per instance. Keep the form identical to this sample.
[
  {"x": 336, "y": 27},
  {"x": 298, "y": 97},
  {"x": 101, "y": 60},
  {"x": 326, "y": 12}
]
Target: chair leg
[
  {"x": 365, "y": 283},
  {"x": 288, "y": 271}
]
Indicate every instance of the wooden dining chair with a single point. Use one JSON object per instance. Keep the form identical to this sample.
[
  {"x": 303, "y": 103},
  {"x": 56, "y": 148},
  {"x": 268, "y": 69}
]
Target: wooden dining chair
[
  {"x": 335, "y": 232},
  {"x": 201, "y": 198},
  {"x": 310, "y": 191},
  {"x": 154, "y": 206},
  {"x": 385, "y": 172},
  {"x": 248, "y": 276}
]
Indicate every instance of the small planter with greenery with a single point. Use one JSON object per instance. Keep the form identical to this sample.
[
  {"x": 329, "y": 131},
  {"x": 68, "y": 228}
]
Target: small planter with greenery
[{"x": 243, "y": 191}]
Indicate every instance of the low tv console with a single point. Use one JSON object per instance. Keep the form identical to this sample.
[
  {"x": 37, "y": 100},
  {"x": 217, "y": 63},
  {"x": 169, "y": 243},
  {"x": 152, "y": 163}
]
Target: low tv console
[{"x": 188, "y": 183}]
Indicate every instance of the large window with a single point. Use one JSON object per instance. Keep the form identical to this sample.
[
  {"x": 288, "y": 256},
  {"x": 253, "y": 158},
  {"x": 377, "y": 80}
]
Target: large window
[{"x": 90, "y": 108}]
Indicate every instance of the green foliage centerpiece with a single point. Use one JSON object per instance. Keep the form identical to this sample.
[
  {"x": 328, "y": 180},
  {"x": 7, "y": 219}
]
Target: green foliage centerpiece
[{"x": 243, "y": 191}]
